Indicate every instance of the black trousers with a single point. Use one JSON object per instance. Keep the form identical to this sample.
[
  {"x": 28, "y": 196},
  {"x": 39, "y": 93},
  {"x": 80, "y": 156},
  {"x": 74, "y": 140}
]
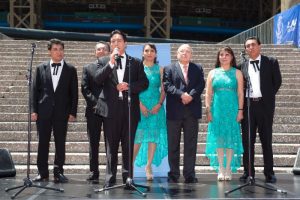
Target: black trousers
[
  {"x": 116, "y": 131},
  {"x": 94, "y": 123},
  {"x": 260, "y": 120},
  {"x": 44, "y": 129},
  {"x": 189, "y": 124}
]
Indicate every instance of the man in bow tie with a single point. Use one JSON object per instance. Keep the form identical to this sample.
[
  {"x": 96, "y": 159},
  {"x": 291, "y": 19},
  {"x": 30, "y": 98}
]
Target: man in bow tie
[
  {"x": 263, "y": 76},
  {"x": 117, "y": 79},
  {"x": 54, "y": 104}
]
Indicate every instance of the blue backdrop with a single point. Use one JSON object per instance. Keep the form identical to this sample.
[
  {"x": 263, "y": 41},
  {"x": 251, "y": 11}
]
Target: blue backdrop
[
  {"x": 286, "y": 27},
  {"x": 164, "y": 59}
]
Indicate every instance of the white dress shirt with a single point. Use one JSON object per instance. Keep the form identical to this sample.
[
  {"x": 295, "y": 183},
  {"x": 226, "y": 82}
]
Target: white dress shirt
[
  {"x": 182, "y": 70},
  {"x": 120, "y": 72},
  {"x": 254, "y": 79},
  {"x": 55, "y": 78}
]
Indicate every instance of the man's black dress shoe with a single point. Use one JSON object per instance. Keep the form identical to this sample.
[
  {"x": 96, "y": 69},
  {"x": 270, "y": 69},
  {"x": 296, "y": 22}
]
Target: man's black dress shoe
[
  {"x": 108, "y": 185},
  {"x": 244, "y": 177},
  {"x": 191, "y": 180},
  {"x": 271, "y": 178},
  {"x": 60, "y": 178},
  {"x": 94, "y": 176},
  {"x": 127, "y": 187},
  {"x": 40, "y": 178},
  {"x": 172, "y": 179}
]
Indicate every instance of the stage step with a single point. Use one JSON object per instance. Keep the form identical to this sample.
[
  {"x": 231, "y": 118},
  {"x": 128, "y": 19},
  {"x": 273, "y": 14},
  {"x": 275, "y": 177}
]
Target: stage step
[{"x": 15, "y": 56}]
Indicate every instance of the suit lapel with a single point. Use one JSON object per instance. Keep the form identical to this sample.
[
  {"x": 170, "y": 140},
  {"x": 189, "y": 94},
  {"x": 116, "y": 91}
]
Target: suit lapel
[
  {"x": 262, "y": 67},
  {"x": 126, "y": 73},
  {"x": 63, "y": 74},
  {"x": 179, "y": 72},
  {"x": 48, "y": 76},
  {"x": 114, "y": 76},
  {"x": 244, "y": 68}
]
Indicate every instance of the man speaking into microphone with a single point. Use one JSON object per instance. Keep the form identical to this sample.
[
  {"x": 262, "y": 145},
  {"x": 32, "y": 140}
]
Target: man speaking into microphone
[{"x": 113, "y": 74}]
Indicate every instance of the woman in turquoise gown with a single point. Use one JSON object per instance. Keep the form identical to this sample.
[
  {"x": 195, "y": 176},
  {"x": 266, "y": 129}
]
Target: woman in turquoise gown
[
  {"x": 150, "y": 145},
  {"x": 224, "y": 101}
]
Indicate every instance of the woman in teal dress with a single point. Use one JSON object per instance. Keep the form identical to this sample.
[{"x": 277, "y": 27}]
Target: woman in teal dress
[
  {"x": 224, "y": 101},
  {"x": 150, "y": 145}
]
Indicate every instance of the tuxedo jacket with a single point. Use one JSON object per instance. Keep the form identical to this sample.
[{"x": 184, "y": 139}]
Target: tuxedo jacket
[
  {"x": 270, "y": 80},
  {"x": 59, "y": 104},
  {"x": 109, "y": 95},
  {"x": 175, "y": 86},
  {"x": 90, "y": 89}
]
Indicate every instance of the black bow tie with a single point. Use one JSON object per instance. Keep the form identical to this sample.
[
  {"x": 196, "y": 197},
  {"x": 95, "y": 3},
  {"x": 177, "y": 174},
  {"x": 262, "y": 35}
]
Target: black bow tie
[
  {"x": 255, "y": 64},
  {"x": 56, "y": 66},
  {"x": 119, "y": 62}
]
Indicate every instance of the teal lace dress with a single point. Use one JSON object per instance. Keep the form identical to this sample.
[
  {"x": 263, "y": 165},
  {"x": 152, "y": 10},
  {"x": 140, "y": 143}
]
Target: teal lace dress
[
  {"x": 152, "y": 128},
  {"x": 224, "y": 131}
]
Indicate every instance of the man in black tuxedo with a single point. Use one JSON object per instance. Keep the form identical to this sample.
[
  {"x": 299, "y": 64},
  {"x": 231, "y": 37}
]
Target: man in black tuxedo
[
  {"x": 183, "y": 84},
  {"x": 113, "y": 73},
  {"x": 264, "y": 77},
  {"x": 91, "y": 91},
  {"x": 54, "y": 104}
]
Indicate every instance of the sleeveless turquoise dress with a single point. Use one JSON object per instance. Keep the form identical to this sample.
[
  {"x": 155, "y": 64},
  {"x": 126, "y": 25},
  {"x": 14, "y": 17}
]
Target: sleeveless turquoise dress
[
  {"x": 152, "y": 128},
  {"x": 224, "y": 131}
]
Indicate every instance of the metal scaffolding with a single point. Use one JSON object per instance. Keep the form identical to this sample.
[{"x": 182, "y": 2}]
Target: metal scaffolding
[
  {"x": 158, "y": 18},
  {"x": 22, "y": 14}
]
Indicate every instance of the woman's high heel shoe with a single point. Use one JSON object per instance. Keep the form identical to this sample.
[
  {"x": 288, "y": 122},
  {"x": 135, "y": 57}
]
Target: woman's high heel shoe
[
  {"x": 228, "y": 175},
  {"x": 221, "y": 176},
  {"x": 149, "y": 174}
]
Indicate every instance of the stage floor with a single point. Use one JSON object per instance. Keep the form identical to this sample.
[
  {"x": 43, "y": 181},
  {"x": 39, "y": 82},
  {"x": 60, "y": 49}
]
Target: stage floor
[{"x": 207, "y": 188}]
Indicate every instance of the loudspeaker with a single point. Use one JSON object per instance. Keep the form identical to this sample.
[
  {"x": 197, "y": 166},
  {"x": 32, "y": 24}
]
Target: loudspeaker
[
  {"x": 7, "y": 167},
  {"x": 296, "y": 168}
]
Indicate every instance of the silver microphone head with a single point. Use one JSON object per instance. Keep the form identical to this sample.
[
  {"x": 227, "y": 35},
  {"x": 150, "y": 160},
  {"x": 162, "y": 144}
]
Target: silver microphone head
[{"x": 116, "y": 51}]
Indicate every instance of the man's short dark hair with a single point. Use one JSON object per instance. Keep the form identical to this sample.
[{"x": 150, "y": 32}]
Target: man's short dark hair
[
  {"x": 55, "y": 41},
  {"x": 252, "y": 38},
  {"x": 105, "y": 44},
  {"x": 120, "y": 33}
]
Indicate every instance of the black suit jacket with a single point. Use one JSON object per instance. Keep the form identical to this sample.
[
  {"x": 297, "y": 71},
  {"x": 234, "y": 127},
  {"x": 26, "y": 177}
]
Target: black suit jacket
[
  {"x": 109, "y": 96},
  {"x": 89, "y": 88},
  {"x": 175, "y": 86},
  {"x": 270, "y": 80},
  {"x": 59, "y": 104}
]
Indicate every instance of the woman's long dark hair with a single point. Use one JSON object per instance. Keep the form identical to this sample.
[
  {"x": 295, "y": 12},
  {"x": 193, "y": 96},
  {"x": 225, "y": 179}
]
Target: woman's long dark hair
[
  {"x": 230, "y": 51},
  {"x": 152, "y": 46}
]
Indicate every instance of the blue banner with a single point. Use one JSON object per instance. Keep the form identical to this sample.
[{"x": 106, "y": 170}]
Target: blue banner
[{"x": 286, "y": 27}]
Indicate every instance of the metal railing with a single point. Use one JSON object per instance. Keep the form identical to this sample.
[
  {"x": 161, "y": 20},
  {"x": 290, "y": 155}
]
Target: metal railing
[{"x": 264, "y": 31}]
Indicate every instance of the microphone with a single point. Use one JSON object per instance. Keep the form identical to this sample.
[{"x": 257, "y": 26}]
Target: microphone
[
  {"x": 242, "y": 55},
  {"x": 243, "y": 52},
  {"x": 33, "y": 45},
  {"x": 117, "y": 56}
]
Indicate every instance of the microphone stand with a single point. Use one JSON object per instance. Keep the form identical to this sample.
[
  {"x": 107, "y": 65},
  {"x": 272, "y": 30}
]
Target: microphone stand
[
  {"x": 27, "y": 181},
  {"x": 130, "y": 185},
  {"x": 250, "y": 180}
]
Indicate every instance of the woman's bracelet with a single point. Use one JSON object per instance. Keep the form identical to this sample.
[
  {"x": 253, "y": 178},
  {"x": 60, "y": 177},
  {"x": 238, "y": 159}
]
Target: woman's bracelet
[{"x": 241, "y": 109}]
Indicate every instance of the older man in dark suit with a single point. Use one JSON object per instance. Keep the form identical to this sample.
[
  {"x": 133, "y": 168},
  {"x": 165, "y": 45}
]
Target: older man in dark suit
[
  {"x": 54, "y": 103},
  {"x": 91, "y": 91},
  {"x": 113, "y": 73},
  {"x": 264, "y": 78},
  {"x": 183, "y": 83}
]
